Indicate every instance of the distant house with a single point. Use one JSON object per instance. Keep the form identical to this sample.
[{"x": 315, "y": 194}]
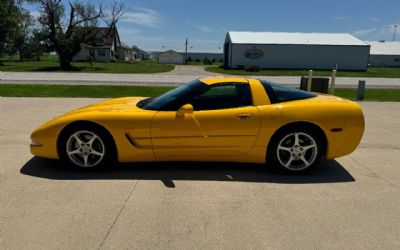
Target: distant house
[
  {"x": 124, "y": 52},
  {"x": 384, "y": 54},
  {"x": 193, "y": 56},
  {"x": 204, "y": 55},
  {"x": 107, "y": 46},
  {"x": 144, "y": 55},
  {"x": 170, "y": 57}
]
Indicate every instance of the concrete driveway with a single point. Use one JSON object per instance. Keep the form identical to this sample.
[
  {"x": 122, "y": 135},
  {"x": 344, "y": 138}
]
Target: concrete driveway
[{"x": 350, "y": 203}]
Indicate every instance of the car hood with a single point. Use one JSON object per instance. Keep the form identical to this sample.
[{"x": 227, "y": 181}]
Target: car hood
[
  {"x": 100, "y": 109},
  {"x": 124, "y": 104}
]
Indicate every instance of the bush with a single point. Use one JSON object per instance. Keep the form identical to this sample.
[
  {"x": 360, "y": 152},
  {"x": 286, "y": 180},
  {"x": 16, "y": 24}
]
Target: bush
[
  {"x": 197, "y": 60},
  {"x": 132, "y": 61},
  {"x": 253, "y": 68}
]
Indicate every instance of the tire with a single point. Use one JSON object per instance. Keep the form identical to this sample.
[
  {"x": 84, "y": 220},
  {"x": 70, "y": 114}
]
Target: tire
[
  {"x": 86, "y": 146},
  {"x": 295, "y": 150}
]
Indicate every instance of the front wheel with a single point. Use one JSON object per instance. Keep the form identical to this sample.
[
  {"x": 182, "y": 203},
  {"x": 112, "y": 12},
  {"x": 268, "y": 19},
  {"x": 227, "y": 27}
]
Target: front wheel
[
  {"x": 296, "y": 150},
  {"x": 86, "y": 148}
]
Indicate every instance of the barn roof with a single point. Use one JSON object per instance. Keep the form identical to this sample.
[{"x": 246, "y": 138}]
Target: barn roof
[
  {"x": 170, "y": 51},
  {"x": 384, "y": 48},
  {"x": 237, "y": 37}
]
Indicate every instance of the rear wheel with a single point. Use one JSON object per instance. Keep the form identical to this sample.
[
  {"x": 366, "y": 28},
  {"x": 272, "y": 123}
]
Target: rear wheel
[
  {"x": 296, "y": 150},
  {"x": 86, "y": 147}
]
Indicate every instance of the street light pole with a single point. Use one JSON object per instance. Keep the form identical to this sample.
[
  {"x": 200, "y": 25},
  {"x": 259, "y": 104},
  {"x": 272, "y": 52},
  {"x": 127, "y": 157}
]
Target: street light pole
[
  {"x": 394, "y": 33},
  {"x": 186, "y": 45}
]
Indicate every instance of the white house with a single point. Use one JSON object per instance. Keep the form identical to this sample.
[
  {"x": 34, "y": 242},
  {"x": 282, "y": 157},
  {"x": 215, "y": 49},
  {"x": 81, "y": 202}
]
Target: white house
[
  {"x": 384, "y": 54},
  {"x": 280, "y": 50},
  {"x": 106, "y": 46},
  {"x": 144, "y": 55}
]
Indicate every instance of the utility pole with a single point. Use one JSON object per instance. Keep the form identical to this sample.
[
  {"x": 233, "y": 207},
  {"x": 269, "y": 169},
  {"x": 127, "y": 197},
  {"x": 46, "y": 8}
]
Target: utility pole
[
  {"x": 394, "y": 33},
  {"x": 186, "y": 45}
]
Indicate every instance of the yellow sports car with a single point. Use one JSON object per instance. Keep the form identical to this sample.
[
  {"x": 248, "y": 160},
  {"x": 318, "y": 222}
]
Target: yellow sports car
[{"x": 209, "y": 119}]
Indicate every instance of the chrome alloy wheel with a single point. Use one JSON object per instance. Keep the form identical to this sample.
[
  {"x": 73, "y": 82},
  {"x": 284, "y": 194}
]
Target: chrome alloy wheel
[
  {"x": 297, "y": 151},
  {"x": 85, "y": 148}
]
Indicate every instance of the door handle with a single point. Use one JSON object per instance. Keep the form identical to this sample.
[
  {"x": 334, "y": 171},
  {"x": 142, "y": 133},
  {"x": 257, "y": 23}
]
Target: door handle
[{"x": 244, "y": 116}]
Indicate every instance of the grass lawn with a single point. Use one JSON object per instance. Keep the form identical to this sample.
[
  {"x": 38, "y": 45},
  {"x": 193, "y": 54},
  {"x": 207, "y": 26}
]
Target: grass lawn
[
  {"x": 371, "y": 72},
  {"x": 51, "y": 64},
  {"x": 31, "y": 90},
  {"x": 217, "y": 63}
]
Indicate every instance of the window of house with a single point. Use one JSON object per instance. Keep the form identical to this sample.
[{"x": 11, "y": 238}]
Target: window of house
[
  {"x": 99, "y": 40},
  {"x": 397, "y": 60},
  {"x": 101, "y": 52}
]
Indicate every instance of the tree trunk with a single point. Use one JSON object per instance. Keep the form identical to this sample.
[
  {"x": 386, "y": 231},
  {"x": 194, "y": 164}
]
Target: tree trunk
[
  {"x": 21, "y": 57},
  {"x": 65, "y": 62}
]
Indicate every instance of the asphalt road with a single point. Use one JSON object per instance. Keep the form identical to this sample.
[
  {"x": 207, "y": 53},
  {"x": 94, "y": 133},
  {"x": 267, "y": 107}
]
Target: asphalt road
[
  {"x": 180, "y": 75},
  {"x": 350, "y": 203}
]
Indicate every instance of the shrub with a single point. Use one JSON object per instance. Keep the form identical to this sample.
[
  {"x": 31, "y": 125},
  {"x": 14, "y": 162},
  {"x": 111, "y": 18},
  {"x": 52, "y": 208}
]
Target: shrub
[{"x": 253, "y": 68}]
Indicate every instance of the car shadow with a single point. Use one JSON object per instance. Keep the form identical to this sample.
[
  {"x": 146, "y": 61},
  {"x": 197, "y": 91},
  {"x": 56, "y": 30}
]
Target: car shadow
[{"x": 329, "y": 171}]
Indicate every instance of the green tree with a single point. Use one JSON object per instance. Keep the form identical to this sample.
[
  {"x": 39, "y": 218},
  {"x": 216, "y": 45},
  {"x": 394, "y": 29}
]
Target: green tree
[
  {"x": 34, "y": 45},
  {"x": 66, "y": 33},
  {"x": 206, "y": 61},
  {"x": 23, "y": 33},
  {"x": 10, "y": 11}
]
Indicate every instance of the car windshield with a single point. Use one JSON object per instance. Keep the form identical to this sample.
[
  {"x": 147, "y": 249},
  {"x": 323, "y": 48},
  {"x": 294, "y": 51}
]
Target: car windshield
[{"x": 173, "y": 99}]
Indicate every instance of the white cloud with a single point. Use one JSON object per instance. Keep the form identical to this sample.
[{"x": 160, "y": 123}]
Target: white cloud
[
  {"x": 341, "y": 18},
  {"x": 364, "y": 31},
  {"x": 376, "y": 33},
  {"x": 144, "y": 17},
  {"x": 128, "y": 31},
  {"x": 374, "y": 19},
  {"x": 202, "y": 28}
]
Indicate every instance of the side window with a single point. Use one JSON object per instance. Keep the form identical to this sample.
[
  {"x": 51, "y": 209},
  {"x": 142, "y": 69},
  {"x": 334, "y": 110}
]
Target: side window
[
  {"x": 101, "y": 52},
  {"x": 222, "y": 90},
  {"x": 278, "y": 93},
  {"x": 223, "y": 96}
]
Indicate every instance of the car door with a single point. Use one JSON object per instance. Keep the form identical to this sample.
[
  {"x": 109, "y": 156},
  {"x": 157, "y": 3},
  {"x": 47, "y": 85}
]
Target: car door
[{"x": 224, "y": 122}]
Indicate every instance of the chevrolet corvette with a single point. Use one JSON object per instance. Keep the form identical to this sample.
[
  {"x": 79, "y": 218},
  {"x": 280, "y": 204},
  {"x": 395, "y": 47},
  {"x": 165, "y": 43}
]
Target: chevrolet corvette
[{"x": 230, "y": 119}]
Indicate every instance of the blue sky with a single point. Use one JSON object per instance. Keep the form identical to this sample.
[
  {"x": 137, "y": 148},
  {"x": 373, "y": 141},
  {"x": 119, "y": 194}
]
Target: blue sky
[{"x": 164, "y": 24}]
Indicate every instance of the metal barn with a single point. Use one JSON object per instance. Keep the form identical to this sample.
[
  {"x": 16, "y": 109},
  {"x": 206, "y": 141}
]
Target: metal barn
[
  {"x": 280, "y": 50},
  {"x": 170, "y": 57},
  {"x": 384, "y": 54}
]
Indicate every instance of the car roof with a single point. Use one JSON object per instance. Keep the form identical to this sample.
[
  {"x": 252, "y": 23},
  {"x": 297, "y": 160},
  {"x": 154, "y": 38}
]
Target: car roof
[{"x": 219, "y": 79}]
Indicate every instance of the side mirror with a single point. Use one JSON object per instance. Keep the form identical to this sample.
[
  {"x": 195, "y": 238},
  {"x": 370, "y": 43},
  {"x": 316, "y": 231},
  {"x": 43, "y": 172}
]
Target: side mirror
[{"x": 185, "y": 109}]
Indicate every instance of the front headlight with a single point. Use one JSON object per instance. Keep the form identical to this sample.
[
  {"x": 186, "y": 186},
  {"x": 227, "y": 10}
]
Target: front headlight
[{"x": 35, "y": 143}]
